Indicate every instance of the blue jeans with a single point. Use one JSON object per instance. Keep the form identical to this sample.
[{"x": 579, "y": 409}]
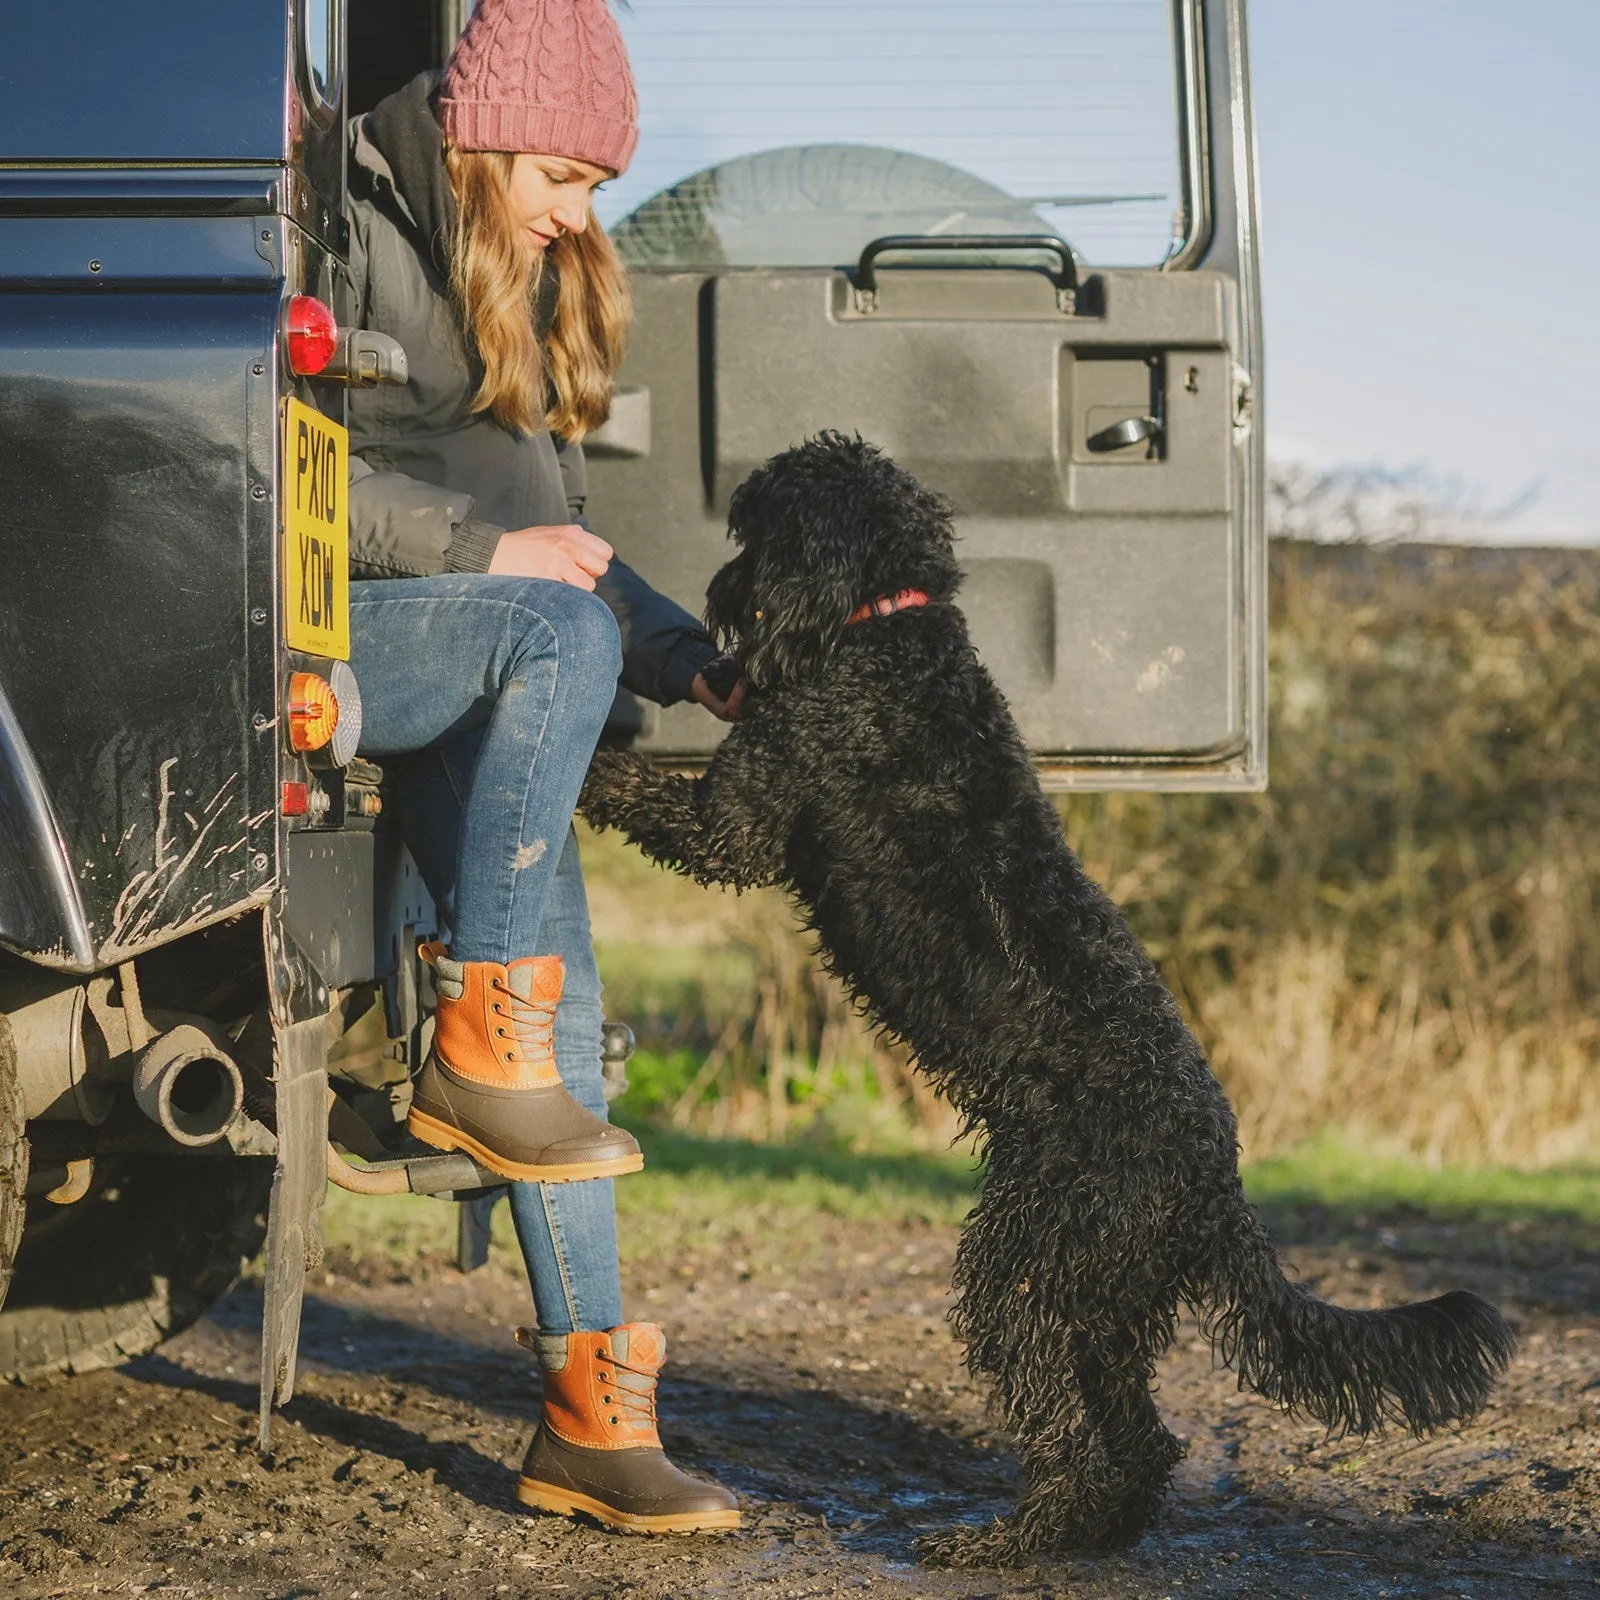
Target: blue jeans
[{"x": 503, "y": 686}]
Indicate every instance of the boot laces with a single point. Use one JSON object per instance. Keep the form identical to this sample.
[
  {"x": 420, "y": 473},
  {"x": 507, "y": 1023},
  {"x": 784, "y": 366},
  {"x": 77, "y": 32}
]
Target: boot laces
[
  {"x": 638, "y": 1404},
  {"x": 532, "y": 1026}
]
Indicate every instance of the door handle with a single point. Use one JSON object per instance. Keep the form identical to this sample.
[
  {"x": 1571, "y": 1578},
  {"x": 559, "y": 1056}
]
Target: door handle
[
  {"x": 1065, "y": 277},
  {"x": 1131, "y": 430}
]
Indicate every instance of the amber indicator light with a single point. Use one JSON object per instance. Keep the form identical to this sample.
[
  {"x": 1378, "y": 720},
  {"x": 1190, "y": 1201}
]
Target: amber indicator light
[{"x": 313, "y": 711}]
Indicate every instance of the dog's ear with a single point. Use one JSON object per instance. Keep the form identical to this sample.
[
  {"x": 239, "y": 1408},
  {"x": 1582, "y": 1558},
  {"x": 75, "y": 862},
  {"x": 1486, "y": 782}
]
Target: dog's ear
[
  {"x": 797, "y": 625},
  {"x": 824, "y": 528},
  {"x": 730, "y": 604}
]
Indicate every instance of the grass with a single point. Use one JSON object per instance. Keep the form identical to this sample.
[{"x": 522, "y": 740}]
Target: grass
[
  {"x": 777, "y": 1205},
  {"x": 1341, "y": 1174}
]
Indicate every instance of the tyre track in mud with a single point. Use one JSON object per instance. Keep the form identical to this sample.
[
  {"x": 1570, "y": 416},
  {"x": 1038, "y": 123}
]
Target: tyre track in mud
[{"x": 830, "y": 1396}]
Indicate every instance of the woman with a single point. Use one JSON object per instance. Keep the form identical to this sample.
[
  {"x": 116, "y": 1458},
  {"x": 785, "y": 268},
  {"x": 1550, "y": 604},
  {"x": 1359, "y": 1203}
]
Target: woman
[{"x": 489, "y": 626}]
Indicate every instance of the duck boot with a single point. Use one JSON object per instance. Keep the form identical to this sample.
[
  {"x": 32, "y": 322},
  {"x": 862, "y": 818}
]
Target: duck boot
[
  {"x": 490, "y": 1085},
  {"x": 597, "y": 1450}
]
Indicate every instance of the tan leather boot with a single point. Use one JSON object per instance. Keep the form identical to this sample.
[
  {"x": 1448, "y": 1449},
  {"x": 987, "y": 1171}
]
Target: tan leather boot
[
  {"x": 597, "y": 1450},
  {"x": 490, "y": 1085}
]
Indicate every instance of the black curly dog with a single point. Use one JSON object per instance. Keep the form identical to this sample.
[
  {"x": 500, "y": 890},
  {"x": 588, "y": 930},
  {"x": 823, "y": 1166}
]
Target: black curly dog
[{"x": 876, "y": 775}]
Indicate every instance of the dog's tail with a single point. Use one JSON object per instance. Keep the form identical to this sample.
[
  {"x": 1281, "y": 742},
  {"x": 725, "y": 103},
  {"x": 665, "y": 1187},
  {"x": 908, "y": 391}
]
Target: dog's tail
[{"x": 1419, "y": 1365}]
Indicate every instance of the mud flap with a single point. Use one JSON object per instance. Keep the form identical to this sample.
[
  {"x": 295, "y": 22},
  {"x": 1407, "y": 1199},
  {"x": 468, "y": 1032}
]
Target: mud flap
[{"x": 294, "y": 1237}]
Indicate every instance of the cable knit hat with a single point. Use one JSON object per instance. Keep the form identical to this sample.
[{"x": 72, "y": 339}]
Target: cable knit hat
[{"x": 547, "y": 76}]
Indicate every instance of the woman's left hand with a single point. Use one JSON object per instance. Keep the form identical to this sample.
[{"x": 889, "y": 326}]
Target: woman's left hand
[{"x": 728, "y": 709}]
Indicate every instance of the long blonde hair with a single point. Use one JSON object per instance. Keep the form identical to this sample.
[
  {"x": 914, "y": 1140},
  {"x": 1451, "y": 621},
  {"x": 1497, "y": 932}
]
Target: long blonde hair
[{"x": 565, "y": 377}]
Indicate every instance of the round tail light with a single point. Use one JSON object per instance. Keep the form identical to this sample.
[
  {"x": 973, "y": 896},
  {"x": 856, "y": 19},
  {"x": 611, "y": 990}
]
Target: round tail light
[
  {"x": 325, "y": 713},
  {"x": 312, "y": 335},
  {"x": 313, "y": 711}
]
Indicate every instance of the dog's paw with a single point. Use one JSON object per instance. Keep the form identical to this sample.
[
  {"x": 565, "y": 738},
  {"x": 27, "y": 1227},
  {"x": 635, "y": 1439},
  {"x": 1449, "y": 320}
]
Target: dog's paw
[
  {"x": 1032, "y": 1531},
  {"x": 989, "y": 1545},
  {"x": 613, "y": 780}
]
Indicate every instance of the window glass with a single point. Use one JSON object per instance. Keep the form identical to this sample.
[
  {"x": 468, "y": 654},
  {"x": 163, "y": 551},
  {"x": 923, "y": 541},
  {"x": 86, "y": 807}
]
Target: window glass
[
  {"x": 323, "y": 64},
  {"x": 776, "y": 133}
]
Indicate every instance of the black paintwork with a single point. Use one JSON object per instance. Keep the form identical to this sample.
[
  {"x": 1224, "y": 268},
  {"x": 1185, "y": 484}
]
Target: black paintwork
[
  {"x": 246, "y": 191},
  {"x": 102, "y": 253},
  {"x": 124, "y": 632},
  {"x": 181, "y": 81},
  {"x": 155, "y": 161}
]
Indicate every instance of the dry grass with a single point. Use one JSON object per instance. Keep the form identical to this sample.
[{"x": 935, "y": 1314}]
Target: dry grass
[{"x": 1399, "y": 940}]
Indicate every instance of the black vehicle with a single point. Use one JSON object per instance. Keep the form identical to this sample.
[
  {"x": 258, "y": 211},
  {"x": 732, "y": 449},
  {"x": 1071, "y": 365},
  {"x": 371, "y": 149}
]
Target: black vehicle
[{"x": 209, "y": 989}]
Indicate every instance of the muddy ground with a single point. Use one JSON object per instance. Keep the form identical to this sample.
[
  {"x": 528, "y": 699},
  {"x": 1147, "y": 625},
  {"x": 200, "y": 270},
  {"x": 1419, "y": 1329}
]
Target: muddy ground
[{"x": 830, "y": 1396}]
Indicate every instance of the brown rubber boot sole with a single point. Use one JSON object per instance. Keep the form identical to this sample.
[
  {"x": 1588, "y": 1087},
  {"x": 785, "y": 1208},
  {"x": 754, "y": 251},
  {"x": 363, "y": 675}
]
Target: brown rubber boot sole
[
  {"x": 443, "y": 1137},
  {"x": 568, "y": 1503}
]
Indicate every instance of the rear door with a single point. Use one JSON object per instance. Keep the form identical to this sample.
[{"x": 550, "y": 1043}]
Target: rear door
[{"x": 1014, "y": 244}]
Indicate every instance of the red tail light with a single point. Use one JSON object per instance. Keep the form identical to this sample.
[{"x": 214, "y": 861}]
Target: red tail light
[{"x": 312, "y": 334}]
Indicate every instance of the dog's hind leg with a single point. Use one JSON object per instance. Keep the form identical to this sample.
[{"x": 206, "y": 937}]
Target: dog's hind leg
[
  {"x": 1097, "y": 1456},
  {"x": 1138, "y": 1451},
  {"x": 1064, "y": 1468}
]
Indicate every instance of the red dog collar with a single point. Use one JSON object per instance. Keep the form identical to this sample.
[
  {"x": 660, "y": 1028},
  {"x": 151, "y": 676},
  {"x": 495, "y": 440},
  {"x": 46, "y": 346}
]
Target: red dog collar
[{"x": 885, "y": 605}]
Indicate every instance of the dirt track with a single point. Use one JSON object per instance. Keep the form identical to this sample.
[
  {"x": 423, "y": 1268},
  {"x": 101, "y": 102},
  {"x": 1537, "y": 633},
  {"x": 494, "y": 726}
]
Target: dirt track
[{"x": 832, "y": 1399}]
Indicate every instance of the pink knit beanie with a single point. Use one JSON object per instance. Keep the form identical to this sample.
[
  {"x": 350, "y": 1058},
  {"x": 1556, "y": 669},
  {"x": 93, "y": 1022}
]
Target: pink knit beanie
[{"x": 547, "y": 76}]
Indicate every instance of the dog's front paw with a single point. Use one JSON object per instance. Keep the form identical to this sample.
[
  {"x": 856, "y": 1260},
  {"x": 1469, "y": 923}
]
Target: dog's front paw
[{"x": 614, "y": 783}]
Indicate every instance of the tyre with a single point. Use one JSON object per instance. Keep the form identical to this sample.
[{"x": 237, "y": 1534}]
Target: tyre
[
  {"x": 152, "y": 1246},
  {"x": 13, "y": 1159}
]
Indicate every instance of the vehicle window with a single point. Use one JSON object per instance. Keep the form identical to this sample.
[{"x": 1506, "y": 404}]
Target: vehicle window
[
  {"x": 792, "y": 134},
  {"x": 324, "y": 64}
]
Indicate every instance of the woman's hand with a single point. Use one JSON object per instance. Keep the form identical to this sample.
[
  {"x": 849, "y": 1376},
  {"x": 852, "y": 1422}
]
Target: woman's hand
[
  {"x": 567, "y": 554},
  {"x": 728, "y": 709}
]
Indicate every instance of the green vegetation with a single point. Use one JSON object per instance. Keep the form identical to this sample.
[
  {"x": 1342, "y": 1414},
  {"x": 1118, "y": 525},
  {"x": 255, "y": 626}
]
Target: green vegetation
[
  {"x": 772, "y": 1203},
  {"x": 1337, "y": 1172},
  {"x": 1401, "y": 939}
]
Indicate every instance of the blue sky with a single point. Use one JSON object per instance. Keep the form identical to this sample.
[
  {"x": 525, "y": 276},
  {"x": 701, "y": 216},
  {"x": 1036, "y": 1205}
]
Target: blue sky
[
  {"x": 1431, "y": 215},
  {"x": 1431, "y": 240}
]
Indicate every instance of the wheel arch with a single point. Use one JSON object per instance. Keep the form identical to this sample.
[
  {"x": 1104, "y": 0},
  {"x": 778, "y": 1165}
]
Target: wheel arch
[{"x": 41, "y": 913}]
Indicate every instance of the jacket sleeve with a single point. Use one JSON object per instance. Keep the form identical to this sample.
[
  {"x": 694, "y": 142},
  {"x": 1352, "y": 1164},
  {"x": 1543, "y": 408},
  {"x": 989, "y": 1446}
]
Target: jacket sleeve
[
  {"x": 401, "y": 527},
  {"x": 663, "y": 647}
]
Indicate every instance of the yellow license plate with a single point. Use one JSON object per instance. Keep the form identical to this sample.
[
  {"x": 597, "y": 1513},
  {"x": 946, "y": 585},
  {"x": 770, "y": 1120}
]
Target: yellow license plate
[{"x": 316, "y": 533}]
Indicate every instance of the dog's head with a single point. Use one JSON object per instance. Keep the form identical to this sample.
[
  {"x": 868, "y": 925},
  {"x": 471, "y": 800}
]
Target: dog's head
[{"x": 823, "y": 529}]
